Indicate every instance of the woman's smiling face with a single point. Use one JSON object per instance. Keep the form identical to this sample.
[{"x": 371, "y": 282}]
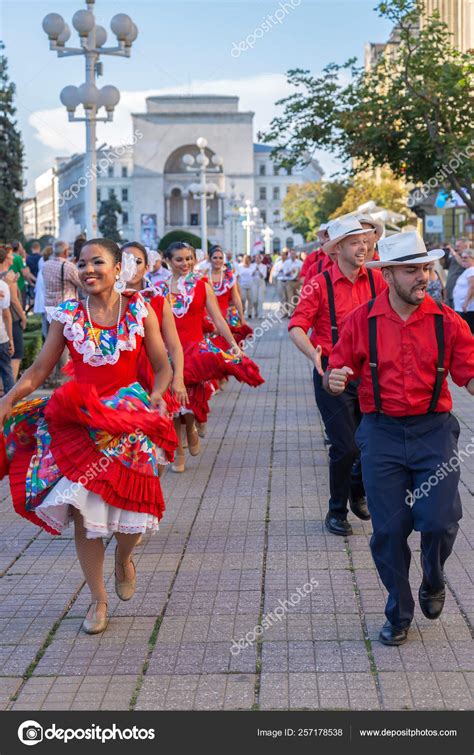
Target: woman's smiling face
[{"x": 97, "y": 269}]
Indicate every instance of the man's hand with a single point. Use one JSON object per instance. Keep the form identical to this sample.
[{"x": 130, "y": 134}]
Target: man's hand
[
  {"x": 23, "y": 322},
  {"x": 11, "y": 348},
  {"x": 317, "y": 360},
  {"x": 337, "y": 379}
]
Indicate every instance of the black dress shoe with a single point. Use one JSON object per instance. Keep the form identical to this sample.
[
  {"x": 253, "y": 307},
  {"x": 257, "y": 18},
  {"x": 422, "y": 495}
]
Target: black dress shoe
[
  {"x": 431, "y": 601},
  {"x": 359, "y": 507},
  {"x": 390, "y": 635},
  {"x": 337, "y": 526}
]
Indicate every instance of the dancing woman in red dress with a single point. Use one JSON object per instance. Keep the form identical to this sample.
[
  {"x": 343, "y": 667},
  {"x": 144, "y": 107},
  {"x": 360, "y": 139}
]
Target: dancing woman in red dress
[
  {"x": 190, "y": 297},
  {"x": 224, "y": 284},
  {"x": 90, "y": 453}
]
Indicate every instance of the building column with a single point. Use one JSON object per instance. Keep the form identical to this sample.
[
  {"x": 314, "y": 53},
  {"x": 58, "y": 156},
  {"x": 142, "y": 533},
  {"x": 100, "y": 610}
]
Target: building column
[
  {"x": 185, "y": 211},
  {"x": 219, "y": 210},
  {"x": 167, "y": 210}
]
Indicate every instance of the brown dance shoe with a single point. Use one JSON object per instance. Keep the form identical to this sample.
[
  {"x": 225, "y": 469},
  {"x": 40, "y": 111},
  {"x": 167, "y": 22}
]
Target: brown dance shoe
[
  {"x": 96, "y": 624},
  {"x": 125, "y": 589}
]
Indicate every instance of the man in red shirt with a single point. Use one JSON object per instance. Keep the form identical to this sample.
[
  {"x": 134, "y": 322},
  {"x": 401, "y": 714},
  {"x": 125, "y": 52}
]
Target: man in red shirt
[
  {"x": 367, "y": 221},
  {"x": 324, "y": 302},
  {"x": 401, "y": 347},
  {"x": 313, "y": 257}
]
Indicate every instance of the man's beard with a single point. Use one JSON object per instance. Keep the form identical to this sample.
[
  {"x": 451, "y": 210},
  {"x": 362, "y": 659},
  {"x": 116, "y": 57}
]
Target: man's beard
[{"x": 407, "y": 296}]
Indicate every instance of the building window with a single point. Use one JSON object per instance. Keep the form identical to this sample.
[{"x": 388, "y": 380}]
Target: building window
[
  {"x": 98, "y": 195},
  {"x": 124, "y": 218},
  {"x": 124, "y": 171},
  {"x": 276, "y": 170},
  {"x": 110, "y": 171},
  {"x": 289, "y": 171},
  {"x": 194, "y": 218},
  {"x": 276, "y": 244},
  {"x": 276, "y": 192},
  {"x": 111, "y": 193},
  {"x": 263, "y": 215},
  {"x": 262, "y": 192},
  {"x": 262, "y": 170},
  {"x": 290, "y": 242},
  {"x": 124, "y": 195}
]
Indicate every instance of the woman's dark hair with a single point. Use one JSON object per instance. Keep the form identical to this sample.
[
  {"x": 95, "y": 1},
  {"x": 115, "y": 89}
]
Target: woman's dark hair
[
  {"x": 214, "y": 249},
  {"x": 4, "y": 250},
  {"x": 108, "y": 245},
  {"x": 78, "y": 244},
  {"x": 175, "y": 247}
]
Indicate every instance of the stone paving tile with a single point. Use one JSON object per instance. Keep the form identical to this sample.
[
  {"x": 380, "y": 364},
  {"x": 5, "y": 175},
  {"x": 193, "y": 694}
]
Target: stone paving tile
[{"x": 210, "y": 549}]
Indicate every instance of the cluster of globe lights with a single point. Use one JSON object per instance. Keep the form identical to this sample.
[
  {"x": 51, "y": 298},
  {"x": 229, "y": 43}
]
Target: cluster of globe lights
[
  {"x": 202, "y": 161},
  {"x": 83, "y": 21}
]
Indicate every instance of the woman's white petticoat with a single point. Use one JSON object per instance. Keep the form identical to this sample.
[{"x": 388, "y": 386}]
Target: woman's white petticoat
[{"x": 100, "y": 518}]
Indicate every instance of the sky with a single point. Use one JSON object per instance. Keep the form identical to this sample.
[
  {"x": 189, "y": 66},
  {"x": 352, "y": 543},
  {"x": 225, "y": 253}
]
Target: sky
[{"x": 183, "y": 47}]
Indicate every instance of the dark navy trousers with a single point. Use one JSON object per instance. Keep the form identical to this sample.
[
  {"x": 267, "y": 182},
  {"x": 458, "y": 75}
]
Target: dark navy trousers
[
  {"x": 341, "y": 416},
  {"x": 410, "y": 469}
]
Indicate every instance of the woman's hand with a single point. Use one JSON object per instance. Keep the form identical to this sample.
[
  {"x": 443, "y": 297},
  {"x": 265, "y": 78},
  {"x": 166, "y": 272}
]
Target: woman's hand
[
  {"x": 179, "y": 390},
  {"x": 158, "y": 402},
  {"x": 6, "y": 406},
  {"x": 237, "y": 351}
]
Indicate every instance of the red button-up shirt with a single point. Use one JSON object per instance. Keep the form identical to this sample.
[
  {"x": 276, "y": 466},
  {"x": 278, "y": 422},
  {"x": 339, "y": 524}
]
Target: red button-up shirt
[
  {"x": 406, "y": 354},
  {"x": 310, "y": 259},
  {"x": 312, "y": 311},
  {"x": 323, "y": 260}
]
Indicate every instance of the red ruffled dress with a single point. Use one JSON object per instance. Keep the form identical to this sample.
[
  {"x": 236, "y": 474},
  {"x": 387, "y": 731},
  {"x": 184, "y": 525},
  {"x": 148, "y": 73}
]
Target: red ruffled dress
[
  {"x": 223, "y": 291},
  {"x": 204, "y": 361},
  {"x": 96, "y": 443}
]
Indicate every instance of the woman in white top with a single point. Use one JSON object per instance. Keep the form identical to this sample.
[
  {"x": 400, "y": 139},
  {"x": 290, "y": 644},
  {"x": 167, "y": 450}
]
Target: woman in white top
[
  {"x": 244, "y": 274},
  {"x": 463, "y": 294}
]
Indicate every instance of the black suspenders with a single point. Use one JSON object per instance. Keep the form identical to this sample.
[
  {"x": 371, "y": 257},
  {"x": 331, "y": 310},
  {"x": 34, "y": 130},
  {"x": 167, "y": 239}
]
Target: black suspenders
[
  {"x": 371, "y": 283},
  {"x": 440, "y": 370},
  {"x": 332, "y": 308},
  {"x": 320, "y": 266}
]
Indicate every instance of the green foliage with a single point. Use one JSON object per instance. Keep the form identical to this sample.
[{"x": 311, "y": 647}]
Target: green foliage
[
  {"x": 385, "y": 190},
  {"x": 109, "y": 211},
  {"x": 411, "y": 112},
  {"x": 189, "y": 238},
  {"x": 11, "y": 158},
  {"x": 306, "y": 206}
]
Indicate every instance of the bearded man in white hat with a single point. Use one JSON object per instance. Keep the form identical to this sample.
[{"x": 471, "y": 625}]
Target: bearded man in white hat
[
  {"x": 325, "y": 301},
  {"x": 401, "y": 347}
]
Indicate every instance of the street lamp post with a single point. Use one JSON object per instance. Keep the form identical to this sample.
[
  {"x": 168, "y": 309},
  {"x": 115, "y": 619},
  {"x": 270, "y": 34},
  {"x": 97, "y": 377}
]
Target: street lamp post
[
  {"x": 203, "y": 190},
  {"x": 92, "y": 38},
  {"x": 250, "y": 213}
]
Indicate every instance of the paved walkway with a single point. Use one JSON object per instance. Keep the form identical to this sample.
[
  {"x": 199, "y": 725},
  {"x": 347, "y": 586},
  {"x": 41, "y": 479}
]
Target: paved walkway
[{"x": 243, "y": 530}]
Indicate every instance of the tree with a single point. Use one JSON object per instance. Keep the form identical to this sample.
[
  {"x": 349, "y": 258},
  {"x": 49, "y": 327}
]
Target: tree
[
  {"x": 188, "y": 238},
  {"x": 306, "y": 206},
  {"x": 411, "y": 112},
  {"x": 11, "y": 158},
  {"x": 108, "y": 212},
  {"x": 385, "y": 191}
]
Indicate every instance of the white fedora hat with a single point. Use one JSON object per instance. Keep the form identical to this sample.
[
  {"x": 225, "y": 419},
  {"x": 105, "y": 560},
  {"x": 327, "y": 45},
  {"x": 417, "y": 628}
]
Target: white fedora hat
[
  {"x": 364, "y": 217},
  {"x": 404, "y": 249},
  {"x": 341, "y": 228},
  {"x": 320, "y": 232}
]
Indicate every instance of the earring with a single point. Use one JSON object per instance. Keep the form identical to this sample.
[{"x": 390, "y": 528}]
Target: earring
[{"x": 119, "y": 284}]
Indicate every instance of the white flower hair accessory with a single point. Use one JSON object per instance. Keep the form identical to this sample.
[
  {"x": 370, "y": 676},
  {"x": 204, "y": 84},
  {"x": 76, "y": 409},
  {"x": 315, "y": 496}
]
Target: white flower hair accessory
[
  {"x": 127, "y": 272},
  {"x": 153, "y": 257}
]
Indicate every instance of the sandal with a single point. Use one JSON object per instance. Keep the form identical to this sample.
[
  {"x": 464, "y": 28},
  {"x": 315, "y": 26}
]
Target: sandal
[
  {"x": 179, "y": 464},
  {"x": 125, "y": 589},
  {"x": 96, "y": 625}
]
